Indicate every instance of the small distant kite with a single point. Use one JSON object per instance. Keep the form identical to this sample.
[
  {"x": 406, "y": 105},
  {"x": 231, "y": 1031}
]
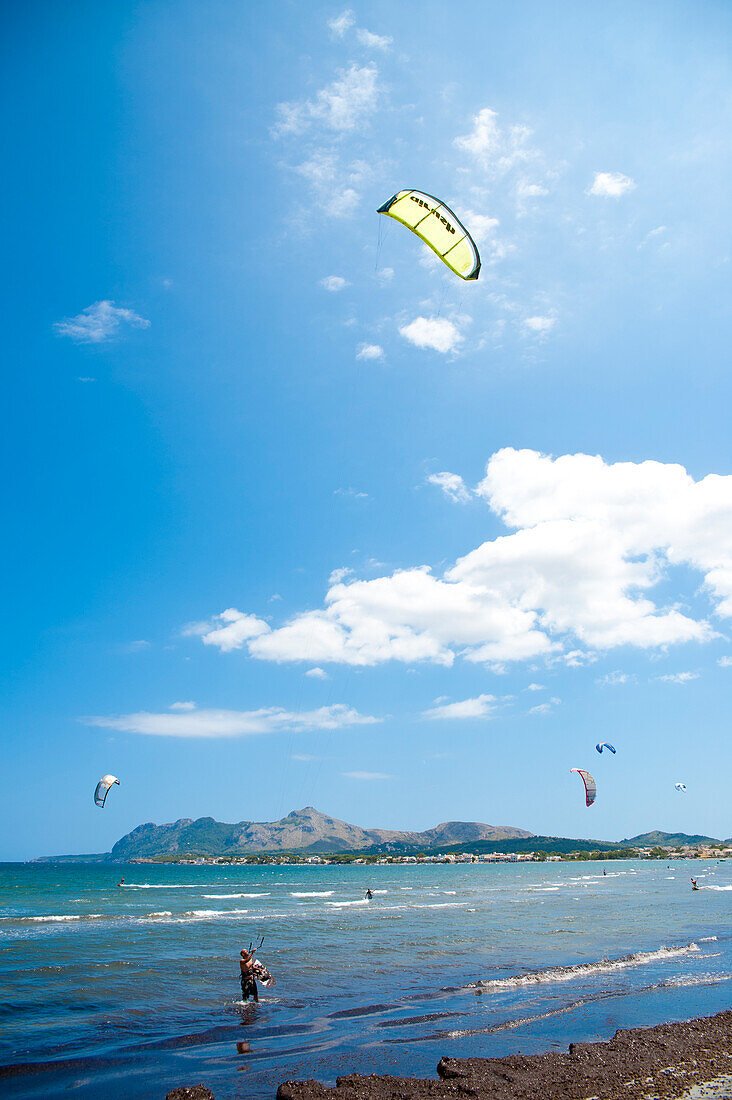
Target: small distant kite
[
  {"x": 438, "y": 227},
  {"x": 100, "y": 794},
  {"x": 605, "y": 745},
  {"x": 590, "y": 785},
  {"x": 680, "y": 786}
]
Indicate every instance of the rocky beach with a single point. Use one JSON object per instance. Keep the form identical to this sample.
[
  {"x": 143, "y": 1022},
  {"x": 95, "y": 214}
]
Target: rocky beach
[{"x": 667, "y": 1061}]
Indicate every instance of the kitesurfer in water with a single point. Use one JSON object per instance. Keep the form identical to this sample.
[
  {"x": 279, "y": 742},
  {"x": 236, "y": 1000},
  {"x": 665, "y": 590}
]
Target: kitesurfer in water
[
  {"x": 248, "y": 984},
  {"x": 369, "y": 895},
  {"x": 694, "y": 885}
]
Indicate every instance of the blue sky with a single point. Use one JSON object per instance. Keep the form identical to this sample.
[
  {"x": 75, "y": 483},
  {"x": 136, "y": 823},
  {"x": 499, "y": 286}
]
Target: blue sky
[{"x": 297, "y": 517}]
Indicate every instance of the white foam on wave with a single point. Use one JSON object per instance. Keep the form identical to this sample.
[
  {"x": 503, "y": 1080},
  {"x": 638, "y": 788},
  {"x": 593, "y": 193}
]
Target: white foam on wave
[
  {"x": 53, "y": 917},
  {"x": 165, "y": 885},
  {"x": 214, "y": 912},
  {"x": 311, "y": 893},
  {"x": 581, "y": 970},
  {"x": 713, "y": 887},
  {"x": 699, "y": 979},
  {"x": 212, "y": 896},
  {"x": 346, "y": 904},
  {"x": 545, "y": 889},
  {"x": 707, "y": 939}
]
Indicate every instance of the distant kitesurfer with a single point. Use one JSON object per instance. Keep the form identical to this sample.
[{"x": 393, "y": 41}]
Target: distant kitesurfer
[
  {"x": 694, "y": 884},
  {"x": 604, "y": 871},
  {"x": 369, "y": 895},
  {"x": 121, "y": 882},
  {"x": 248, "y": 984}
]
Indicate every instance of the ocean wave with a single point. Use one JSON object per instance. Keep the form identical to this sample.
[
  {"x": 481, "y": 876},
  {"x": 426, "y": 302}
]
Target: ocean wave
[
  {"x": 165, "y": 885},
  {"x": 194, "y": 915},
  {"x": 312, "y": 893},
  {"x": 581, "y": 970},
  {"x": 212, "y": 896},
  {"x": 214, "y": 912},
  {"x": 698, "y": 979},
  {"x": 346, "y": 904},
  {"x": 440, "y": 905},
  {"x": 57, "y": 917},
  {"x": 713, "y": 887}
]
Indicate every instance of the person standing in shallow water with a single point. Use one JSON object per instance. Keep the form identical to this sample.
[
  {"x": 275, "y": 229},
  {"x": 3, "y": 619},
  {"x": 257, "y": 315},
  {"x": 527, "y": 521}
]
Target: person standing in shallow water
[{"x": 248, "y": 984}]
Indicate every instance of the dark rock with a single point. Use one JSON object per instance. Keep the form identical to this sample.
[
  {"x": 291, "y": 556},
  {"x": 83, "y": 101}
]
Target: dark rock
[
  {"x": 662, "y": 1062},
  {"x": 190, "y": 1092}
]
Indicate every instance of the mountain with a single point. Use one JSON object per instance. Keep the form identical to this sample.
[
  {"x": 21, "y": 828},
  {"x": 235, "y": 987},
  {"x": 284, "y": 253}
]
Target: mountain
[
  {"x": 305, "y": 831},
  {"x": 309, "y": 832},
  {"x": 667, "y": 840}
]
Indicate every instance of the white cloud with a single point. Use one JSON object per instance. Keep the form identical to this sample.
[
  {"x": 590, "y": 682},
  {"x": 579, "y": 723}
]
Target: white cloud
[
  {"x": 317, "y": 674},
  {"x": 370, "y": 351},
  {"x": 480, "y": 707},
  {"x": 495, "y": 149},
  {"x": 229, "y": 630},
  {"x": 334, "y": 183},
  {"x": 232, "y": 723},
  {"x": 354, "y": 494},
  {"x": 536, "y": 687},
  {"x": 545, "y": 708},
  {"x": 339, "y": 575},
  {"x": 611, "y": 185},
  {"x": 452, "y": 486},
  {"x": 587, "y": 543},
  {"x": 366, "y": 775},
  {"x": 542, "y": 326},
  {"x": 339, "y": 106},
  {"x": 481, "y": 226},
  {"x": 678, "y": 677},
  {"x": 614, "y": 679},
  {"x": 183, "y": 706},
  {"x": 432, "y": 332},
  {"x": 334, "y": 283},
  {"x": 526, "y": 190},
  {"x": 373, "y": 41},
  {"x": 99, "y": 322},
  {"x": 653, "y": 235},
  {"x": 725, "y": 662},
  {"x": 342, "y": 23}
]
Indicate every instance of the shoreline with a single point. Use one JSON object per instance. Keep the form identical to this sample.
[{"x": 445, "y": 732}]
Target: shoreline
[{"x": 664, "y": 1061}]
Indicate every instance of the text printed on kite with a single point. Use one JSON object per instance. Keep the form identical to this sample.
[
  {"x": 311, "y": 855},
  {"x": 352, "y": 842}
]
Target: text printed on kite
[
  {"x": 103, "y": 786},
  {"x": 680, "y": 787},
  {"x": 590, "y": 785},
  {"x": 435, "y": 223},
  {"x": 605, "y": 745}
]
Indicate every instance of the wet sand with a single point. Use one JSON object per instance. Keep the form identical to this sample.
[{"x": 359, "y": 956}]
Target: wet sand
[{"x": 683, "y": 1060}]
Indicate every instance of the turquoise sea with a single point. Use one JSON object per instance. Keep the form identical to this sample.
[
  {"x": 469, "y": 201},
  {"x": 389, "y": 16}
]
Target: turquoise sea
[{"x": 135, "y": 988}]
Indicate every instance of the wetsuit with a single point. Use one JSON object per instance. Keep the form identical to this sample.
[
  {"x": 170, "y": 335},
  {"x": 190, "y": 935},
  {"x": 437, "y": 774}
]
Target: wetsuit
[{"x": 248, "y": 984}]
